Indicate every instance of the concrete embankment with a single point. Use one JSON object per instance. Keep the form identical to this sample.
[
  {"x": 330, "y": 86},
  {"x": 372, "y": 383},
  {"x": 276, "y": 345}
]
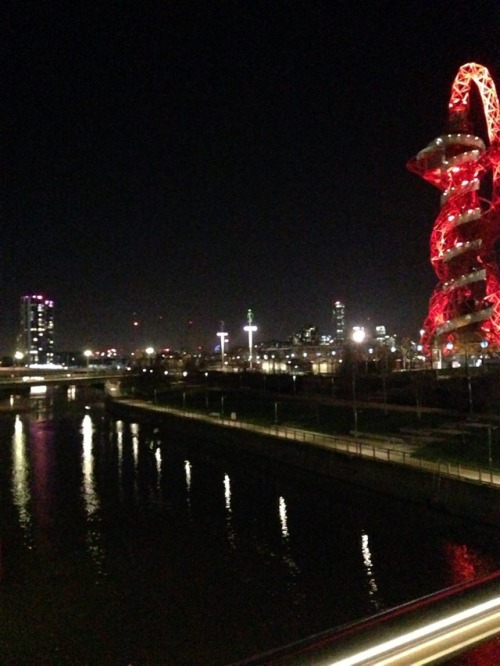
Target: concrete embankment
[{"x": 444, "y": 493}]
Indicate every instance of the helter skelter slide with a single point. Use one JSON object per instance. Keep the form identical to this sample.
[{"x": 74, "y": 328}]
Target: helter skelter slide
[{"x": 464, "y": 308}]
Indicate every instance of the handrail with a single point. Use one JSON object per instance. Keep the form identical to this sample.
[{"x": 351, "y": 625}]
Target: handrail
[
  {"x": 352, "y": 446},
  {"x": 442, "y": 624}
]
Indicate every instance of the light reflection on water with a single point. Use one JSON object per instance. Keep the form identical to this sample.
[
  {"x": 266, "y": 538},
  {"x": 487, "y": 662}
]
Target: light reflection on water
[
  {"x": 188, "y": 538},
  {"x": 90, "y": 495},
  {"x": 282, "y": 512},
  {"x": 372, "y": 584},
  {"x": 91, "y": 498},
  {"x": 187, "y": 471},
  {"x": 119, "y": 448},
  {"x": 231, "y": 534},
  {"x": 20, "y": 477},
  {"x": 135, "y": 430},
  {"x": 287, "y": 554},
  {"x": 41, "y": 461}
]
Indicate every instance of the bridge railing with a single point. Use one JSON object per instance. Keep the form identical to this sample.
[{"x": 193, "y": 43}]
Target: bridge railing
[{"x": 423, "y": 631}]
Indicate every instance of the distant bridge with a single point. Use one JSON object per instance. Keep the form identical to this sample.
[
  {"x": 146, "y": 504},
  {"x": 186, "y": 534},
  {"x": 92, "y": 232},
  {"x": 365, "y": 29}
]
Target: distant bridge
[{"x": 15, "y": 379}]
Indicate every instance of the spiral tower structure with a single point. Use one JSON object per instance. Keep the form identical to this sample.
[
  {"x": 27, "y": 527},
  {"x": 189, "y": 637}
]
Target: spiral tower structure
[{"x": 465, "y": 305}]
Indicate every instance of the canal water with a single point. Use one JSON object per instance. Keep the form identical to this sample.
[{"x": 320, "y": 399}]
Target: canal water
[{"x": 124, "y": 544}]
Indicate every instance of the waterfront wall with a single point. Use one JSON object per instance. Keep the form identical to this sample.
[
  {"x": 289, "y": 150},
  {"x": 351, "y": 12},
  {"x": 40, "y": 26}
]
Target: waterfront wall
[{"x": 455, "y": 496}]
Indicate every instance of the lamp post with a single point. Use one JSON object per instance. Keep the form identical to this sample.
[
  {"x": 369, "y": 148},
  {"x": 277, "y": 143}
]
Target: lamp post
[
  {"x": 468, "y": 377},
  {"x": 358, "y": 336},
  {"x": 484, "y": 346},
  {"x": 18, "y": 357},
  {"x": 250, "y": 330},
  {"x": 149, "y": 351},
  {"x": 87, "y": 353},
  {"x": 222, "y": 335}
]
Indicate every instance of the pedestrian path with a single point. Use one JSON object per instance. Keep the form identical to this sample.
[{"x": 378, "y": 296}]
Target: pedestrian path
[{"x": 396, "y": 452}]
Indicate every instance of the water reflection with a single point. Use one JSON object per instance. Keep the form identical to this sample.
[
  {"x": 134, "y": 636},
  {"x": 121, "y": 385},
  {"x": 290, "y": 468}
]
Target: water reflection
[
  {"x": 283, "y": 520},
  {"x": 288, "y": 559},
  {"x": 372, "y": 584},
  {"x": 158, "y": 467},
  {"x": 20, "y": 477},
  {"x": 135, "y": 430},
  {"x": 90, "y": 496},
  {"x": 119, "y": 446},
  {"x": 231, "y": 535},
  {"x": 187, "y": 471},
  {"x": 466, "y": 563},
  {"x": 203, "y": 540},
  {"x": 41, "y": 438}
]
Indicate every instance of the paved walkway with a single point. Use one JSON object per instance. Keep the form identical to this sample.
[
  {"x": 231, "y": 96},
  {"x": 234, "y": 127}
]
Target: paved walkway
[{"x": 398, "y": 452}]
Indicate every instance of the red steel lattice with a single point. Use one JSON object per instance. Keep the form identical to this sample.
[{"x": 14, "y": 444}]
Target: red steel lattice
[{"x": 465, "y": 305}]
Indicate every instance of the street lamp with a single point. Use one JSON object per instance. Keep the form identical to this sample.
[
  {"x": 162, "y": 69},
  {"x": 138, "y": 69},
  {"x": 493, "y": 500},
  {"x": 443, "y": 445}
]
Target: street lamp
[
  {"x": 87, "y": 353},
  {"x": 18, "y": 357},
  {"x": 250, "y": 330},
  {"x": 358, "y": 336},
  {"x": 149, "y": 351},
  {"x": 484, "y": 346},
  {"x": 222, "y": 335}
]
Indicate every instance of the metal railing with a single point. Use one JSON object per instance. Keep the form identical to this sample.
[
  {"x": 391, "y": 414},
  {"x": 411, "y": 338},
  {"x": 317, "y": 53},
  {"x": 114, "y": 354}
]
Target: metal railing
[{"x": 352, "y": 446}]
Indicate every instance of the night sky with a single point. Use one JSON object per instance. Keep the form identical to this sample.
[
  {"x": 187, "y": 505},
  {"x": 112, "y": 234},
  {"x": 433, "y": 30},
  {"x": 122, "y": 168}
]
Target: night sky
[{"x": 172, "y": 161}]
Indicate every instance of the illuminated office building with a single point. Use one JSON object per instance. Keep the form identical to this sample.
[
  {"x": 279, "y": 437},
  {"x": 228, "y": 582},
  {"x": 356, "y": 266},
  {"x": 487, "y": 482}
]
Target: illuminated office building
[
  {"x": 36, "y": 339},
  {"x": 338, "y": 323}
]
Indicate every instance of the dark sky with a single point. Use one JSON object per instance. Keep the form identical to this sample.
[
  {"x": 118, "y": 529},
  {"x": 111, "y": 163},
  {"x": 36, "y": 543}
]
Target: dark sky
[{"x": 175, "y": 161}]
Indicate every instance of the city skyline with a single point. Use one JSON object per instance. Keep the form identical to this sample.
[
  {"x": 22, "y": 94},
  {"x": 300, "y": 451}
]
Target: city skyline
[
  {"x": 37, "y": 319},
  {"x": 165, "y": 165}
]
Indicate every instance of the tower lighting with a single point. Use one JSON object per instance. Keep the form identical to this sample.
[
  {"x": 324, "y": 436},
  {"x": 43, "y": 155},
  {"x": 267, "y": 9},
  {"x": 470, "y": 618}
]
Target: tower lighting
[
  {"x": 222, "y": 335},
  {"x": 250, "y": 329}
]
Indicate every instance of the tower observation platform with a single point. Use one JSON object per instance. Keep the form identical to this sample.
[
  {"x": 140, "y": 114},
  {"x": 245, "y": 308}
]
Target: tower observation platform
[{"x": 464, "y": 308}]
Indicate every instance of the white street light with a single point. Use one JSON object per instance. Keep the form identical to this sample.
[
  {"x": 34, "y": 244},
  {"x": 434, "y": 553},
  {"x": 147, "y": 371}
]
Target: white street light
[
  {"x": 250, "y": 330},
  {"x": 358, "y": 336},
  {"x": 222, "y": 335},
  {"x": 149, "y": 351},
  {"x": 18, "y": 356},
  {"x": 87, "y": 353}
]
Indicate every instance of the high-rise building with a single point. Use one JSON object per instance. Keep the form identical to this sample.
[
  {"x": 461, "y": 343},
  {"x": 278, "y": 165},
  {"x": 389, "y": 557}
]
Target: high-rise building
[
  {"x": 36, "y": 338},
  {"x": 338, "y": 315}
]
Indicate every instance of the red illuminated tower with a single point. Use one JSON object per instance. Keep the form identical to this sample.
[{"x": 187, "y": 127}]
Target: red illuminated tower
[{"x": 465, "y": 306}]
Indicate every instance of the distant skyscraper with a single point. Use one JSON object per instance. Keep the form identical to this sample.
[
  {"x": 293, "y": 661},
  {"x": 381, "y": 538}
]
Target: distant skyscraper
[
  {"x": 338, "y": 323},
  {"x": 36, "y": 339}
]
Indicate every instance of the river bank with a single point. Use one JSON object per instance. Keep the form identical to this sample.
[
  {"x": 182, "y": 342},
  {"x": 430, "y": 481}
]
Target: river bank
[{"x": 365, "y": 464}]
